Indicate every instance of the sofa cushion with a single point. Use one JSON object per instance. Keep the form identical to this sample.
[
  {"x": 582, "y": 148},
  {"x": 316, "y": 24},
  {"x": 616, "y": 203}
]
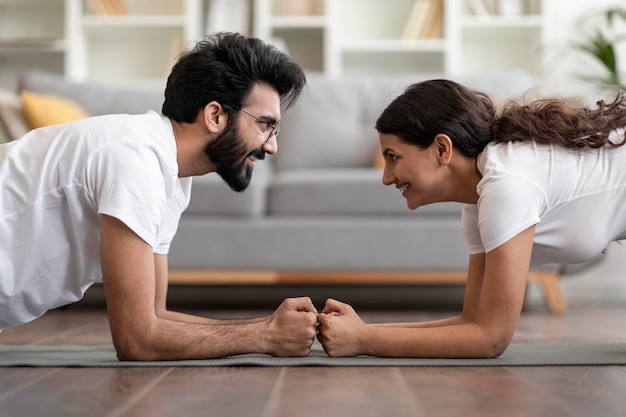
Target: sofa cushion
[
  {"x": 342, "y": 192},
  {"x": 44, "y": 109},
  {"x": 313, "y": 243},
  {"x": 4, "y": 136},
  {"x": 211, "y": 196},
  {"x": 331, "y": 125},
  {"x": 12, "y": 119},
  {"x": 98, "y": 98}
]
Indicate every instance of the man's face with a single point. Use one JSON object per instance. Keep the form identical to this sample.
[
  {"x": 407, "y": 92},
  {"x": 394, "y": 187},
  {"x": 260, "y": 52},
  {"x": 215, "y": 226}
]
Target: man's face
[
  {"x": 246, "y": 138},
  {"x": 230, "y": 155}
]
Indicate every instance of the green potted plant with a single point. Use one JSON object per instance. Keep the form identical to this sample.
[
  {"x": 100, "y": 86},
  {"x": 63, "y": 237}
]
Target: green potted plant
[{"x": 601, "y": 46}]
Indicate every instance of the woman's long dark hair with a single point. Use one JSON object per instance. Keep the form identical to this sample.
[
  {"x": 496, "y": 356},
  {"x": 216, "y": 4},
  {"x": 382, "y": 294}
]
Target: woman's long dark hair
[{"x": 471, "y": 120}]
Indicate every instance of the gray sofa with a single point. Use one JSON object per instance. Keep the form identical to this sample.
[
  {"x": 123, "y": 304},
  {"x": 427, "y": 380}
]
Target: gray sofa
[
  {"x": 316, "y": 208},
  {"x": 319, "y": 205}
]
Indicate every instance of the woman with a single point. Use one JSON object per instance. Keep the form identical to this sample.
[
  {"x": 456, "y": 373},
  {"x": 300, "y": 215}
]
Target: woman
[{"x": 542, "y": 182}]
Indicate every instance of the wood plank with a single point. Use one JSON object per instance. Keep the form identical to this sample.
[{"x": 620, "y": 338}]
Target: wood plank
[
  {"x": 195, "y": 277},
  {"x": 314, "y": 277},
  {"x": 82, "y": 392},
  {"x": 580, "y": 391},
  {"x": 208, "y": 391},
  {"x": 364, "y": 392},
  {"x": 13, "y": 380},
  {"x": 451, "y": 392},
  {"x": 54, "y": 325}
]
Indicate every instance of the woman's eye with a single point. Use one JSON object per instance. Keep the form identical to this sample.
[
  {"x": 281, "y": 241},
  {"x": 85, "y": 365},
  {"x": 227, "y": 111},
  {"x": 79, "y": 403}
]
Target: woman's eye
[{"x": 393, "y": 158}]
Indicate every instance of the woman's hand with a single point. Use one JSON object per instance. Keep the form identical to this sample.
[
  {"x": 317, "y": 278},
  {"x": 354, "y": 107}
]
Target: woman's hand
[{"x": 340, "y": 330}]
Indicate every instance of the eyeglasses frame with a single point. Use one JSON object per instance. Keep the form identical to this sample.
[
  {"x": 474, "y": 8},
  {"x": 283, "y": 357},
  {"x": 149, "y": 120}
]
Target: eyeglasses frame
[{"x": 275, "y": 126}]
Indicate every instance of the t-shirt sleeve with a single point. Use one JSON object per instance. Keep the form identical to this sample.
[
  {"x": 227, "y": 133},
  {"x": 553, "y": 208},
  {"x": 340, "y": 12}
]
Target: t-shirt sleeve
[
  {"x": 508, "y": 204},
  {"x": 128, "y": 184}
]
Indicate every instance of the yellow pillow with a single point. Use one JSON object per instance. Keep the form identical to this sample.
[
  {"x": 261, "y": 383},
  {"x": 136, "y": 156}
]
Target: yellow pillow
[
  {"x": 45, "y": 110},
  {"x": 379, "y": 162}
]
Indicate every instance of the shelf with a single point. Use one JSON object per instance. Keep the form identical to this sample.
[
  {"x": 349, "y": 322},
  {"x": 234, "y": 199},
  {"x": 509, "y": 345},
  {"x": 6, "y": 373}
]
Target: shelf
[
  {"x": 394, "y": 45},
  {"x": 499, "y": 22},
  {"x": 105, "y": 47},
  {"x": 297, "y": 22},
  {"x": 133, "y": 21},
  {"x": 32, "y": 45},
  {"x": 32, "y": 36}
]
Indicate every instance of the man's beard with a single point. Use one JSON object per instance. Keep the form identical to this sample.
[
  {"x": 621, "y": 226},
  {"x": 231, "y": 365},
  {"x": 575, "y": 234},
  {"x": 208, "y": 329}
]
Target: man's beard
[{"x": 229, "y": 155}]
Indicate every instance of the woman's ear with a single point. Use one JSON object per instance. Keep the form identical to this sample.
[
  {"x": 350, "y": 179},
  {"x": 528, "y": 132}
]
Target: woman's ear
[
  {"x": 444, "y": 147},
  {"x": 214, "y": 117}
]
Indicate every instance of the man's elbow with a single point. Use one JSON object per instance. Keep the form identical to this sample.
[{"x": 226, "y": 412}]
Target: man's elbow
[{"x": 133, "y": 348}]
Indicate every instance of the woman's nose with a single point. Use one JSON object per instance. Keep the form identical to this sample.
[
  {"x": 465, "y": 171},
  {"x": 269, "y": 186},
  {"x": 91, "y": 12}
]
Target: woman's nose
[{"x": 388, "y": 177}]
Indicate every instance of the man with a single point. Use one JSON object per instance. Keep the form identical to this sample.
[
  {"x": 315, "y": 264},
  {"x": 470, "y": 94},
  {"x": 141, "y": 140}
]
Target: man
[{"x": 100, "y": 200}]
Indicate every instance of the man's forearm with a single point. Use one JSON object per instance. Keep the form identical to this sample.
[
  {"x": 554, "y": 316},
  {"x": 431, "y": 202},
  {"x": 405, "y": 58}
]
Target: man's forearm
[
  {"x": 192, "y": 318},
  {"x": 166, "y": 339},
  {"x": 289, "y": 331}
]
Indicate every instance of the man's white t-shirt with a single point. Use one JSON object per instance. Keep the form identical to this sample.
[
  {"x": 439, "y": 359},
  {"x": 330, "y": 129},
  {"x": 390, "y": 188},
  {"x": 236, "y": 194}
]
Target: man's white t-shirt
[
  {"x": 575, "y": 198},
  {"x": 57, "y": 181}
]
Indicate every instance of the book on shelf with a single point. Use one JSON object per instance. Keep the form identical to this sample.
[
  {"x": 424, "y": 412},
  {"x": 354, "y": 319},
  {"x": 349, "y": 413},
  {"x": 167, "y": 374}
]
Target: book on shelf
[
  {"x": 434, "y": 24},
  {"x": 109, "y": 7},
  {"x": 230, "y": 15},
  {"x": 425, "y": 20},
  {"x": 478, "y": 7}
]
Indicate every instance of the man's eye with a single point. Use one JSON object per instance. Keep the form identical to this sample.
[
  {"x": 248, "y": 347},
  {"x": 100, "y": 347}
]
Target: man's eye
[{"x": 265, "y": 125}]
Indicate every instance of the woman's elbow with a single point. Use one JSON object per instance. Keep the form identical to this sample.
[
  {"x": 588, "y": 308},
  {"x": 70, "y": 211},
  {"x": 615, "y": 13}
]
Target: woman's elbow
[{"x": 495, "y": 345}]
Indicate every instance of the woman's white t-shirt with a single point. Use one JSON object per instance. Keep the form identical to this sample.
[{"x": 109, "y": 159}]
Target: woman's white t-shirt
[
  {"x": 575, "y": 198},
  {"x": 57, "y": 181}
]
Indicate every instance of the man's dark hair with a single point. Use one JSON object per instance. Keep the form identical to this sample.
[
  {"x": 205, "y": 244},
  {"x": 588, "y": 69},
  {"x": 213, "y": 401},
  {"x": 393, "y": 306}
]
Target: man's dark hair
[{"x": 223, "y": 68}]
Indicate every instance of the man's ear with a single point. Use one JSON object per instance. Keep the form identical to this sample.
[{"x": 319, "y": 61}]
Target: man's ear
[
  {"x": 444, "y": 147},
  {"x": 214, "y": 117}
]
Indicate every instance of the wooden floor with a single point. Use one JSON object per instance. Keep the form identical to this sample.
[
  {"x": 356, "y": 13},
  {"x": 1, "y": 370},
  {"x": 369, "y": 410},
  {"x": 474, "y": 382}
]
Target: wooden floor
[{"x": 301, "y": 392}]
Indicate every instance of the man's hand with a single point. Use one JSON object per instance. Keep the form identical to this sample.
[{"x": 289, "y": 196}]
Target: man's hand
[
  {"x": 292, "y": 328},
  {"x": 340, "y": 329}
]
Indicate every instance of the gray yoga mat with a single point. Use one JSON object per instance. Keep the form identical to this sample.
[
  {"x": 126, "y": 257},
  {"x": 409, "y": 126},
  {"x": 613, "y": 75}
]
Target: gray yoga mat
[{"x": 518, "y": 354}]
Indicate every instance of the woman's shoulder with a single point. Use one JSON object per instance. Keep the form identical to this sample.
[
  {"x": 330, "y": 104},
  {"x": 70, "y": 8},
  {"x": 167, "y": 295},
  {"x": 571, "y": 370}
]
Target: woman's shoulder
[{"x": 512, "y": 156}]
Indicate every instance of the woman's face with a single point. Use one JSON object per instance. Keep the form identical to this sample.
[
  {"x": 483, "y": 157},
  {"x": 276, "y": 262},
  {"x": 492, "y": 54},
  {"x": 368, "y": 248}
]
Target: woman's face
[{"x": 414, "y": 172}]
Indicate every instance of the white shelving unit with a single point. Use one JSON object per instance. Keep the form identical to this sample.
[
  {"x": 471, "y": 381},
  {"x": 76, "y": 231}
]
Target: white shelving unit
[
  {"x": 31, "y": 36},
  {"x": 369, "y": 39},
  {"x": 304, "y": 34},
  {"x": 365, "y": 36},
  {"x": 70, "y": 37},
  {"x": 138, "y": 46},
  {"x": 498, "y": 42},
  {"x": 331, "y": 36}
]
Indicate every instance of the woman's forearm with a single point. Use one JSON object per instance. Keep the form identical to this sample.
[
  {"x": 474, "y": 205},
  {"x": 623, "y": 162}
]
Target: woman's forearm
[
  {"x": 450, "y": 321},
  {"x": 468, "y": 340}
]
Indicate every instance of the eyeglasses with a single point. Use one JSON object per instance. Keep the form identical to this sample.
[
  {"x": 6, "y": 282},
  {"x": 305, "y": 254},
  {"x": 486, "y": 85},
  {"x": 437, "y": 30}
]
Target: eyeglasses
[{"x": 274, "y": 125}]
